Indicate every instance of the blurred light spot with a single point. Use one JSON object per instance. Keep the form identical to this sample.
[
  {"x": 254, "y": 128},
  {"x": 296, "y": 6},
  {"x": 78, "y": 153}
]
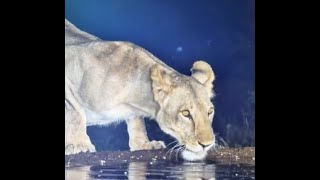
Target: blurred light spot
[{"x": 179, "y": 49}]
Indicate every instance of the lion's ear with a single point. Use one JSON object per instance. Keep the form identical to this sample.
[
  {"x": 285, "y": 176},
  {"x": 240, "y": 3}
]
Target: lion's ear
[
  {"x": 204, "y": 74},
  {"x": 162, "y": 83}
]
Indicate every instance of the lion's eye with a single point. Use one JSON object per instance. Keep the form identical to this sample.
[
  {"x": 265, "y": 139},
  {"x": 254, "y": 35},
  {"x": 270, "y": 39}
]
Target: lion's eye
[
  {"x": 186, "y": 113},
  {"x": 210, "y": 111}
]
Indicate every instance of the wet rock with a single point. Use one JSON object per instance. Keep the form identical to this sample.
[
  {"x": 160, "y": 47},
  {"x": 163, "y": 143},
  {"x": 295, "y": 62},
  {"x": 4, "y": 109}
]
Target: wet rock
[
  {"x": 221, "y": 155},
  {"x": 245, "y": 155}
]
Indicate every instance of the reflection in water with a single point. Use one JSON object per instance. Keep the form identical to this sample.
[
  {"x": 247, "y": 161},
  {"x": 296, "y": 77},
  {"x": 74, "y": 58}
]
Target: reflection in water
[
  {"x": 160, "y": 170},
  {"x": 137, "y": 170},
  {"x": 79, "y": 173},
  {"x": 198, "y": 171}
]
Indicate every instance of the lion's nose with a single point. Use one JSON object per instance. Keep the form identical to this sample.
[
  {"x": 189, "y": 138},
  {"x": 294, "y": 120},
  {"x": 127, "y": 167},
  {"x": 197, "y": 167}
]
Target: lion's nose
[{"x": 204, "y": 145}]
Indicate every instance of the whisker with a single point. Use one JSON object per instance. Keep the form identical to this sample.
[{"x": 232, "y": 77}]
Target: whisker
[
  {"x": 176, "y": 151},
  {"x": 171, "y": 143},
  {"x": 214, "y": 147},
  {"x": 171, "y": 149},
  {"x": 177, "y": 145},
  {"x": 181, "y": 148}
]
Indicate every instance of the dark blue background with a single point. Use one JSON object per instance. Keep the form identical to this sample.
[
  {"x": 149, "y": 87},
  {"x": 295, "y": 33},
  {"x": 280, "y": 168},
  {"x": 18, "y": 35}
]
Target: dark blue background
[{"x": 221, "y": 32}]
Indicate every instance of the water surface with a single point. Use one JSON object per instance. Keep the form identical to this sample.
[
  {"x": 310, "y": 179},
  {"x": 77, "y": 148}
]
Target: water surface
[{"x": 161, "y": 170}]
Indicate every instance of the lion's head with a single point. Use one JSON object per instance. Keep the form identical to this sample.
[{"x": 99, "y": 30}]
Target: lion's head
[{"x": 186, "y": 111}]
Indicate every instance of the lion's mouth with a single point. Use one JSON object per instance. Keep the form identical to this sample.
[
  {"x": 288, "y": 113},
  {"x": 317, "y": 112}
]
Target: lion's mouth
[
  {"x": 189, "y": 150},
  {"x": 190, "y": 155},
  {"x": 195, "y": 152}
]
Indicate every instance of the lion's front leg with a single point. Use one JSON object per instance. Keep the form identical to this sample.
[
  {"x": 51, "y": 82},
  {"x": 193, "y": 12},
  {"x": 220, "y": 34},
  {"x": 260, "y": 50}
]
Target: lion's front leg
[
  {"x": 76, "y": 138},
  {"x": 138, "y": 139}
]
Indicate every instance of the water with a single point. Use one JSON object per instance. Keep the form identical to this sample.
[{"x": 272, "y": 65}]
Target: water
[{"x": 161, "y": 170}]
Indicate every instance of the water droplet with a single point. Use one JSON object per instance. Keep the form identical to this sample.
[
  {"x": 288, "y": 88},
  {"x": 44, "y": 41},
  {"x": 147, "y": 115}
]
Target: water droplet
[
  {"x": 163, "y": 157},
  {"x": 102, "y": 162},
  {"x": 125, "y": 173},
  {"x": 151, "y": 162},
  {"x": 236, "y": 174}
]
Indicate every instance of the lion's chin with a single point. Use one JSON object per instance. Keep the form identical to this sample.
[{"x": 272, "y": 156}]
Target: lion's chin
[{"x": 193, "y": 156}]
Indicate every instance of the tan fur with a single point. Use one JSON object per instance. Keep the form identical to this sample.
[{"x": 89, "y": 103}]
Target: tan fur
[
  {"x": 108, "y": 81},
  {"x": 203, "y": 72},
  {"x": 161, "y": 82}
]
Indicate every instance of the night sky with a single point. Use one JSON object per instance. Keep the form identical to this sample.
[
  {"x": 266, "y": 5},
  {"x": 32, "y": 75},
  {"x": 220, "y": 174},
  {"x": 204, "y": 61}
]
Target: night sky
[{"x": 221, "y": 32}]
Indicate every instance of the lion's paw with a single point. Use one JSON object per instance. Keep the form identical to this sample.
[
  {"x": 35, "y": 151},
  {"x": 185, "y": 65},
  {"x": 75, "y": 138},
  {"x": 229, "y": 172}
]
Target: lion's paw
[
  {"x": 77, "y": 148},
  {"x": 152, "y": 145}
]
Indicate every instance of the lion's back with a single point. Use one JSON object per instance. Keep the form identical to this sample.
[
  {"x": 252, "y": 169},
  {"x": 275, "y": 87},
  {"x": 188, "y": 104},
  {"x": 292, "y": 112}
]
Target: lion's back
[{"x": 73, "y": 35}]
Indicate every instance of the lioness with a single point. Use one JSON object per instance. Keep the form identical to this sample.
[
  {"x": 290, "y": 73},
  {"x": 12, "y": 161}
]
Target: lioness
[{"x": 113, "y": 81}]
